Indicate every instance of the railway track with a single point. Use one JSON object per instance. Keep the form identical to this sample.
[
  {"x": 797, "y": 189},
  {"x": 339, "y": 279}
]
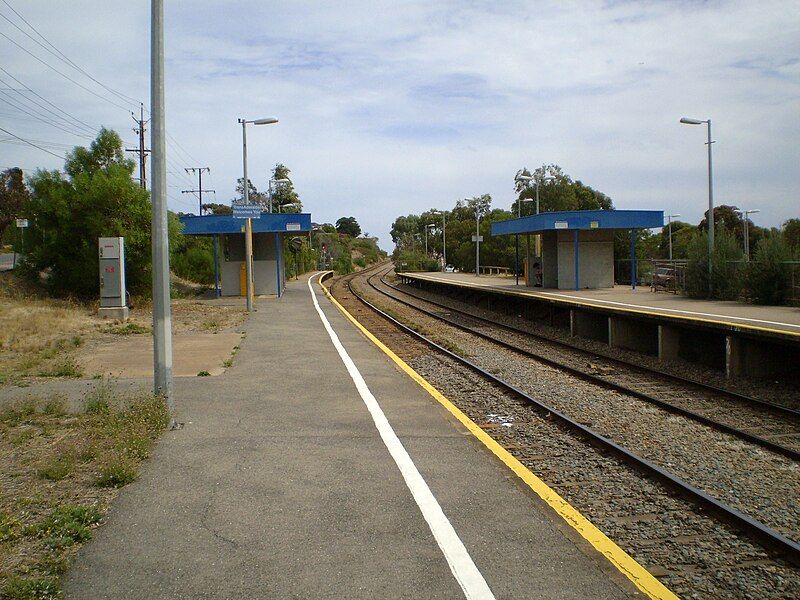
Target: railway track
[
  {"x": 771, "y": 426},
  {"x": 766, "y": 536}
]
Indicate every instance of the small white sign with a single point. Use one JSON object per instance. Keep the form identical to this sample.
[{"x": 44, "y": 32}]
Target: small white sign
[
  {"x": 477, "y": 238},
  {"x": 562, "y": 225},
  {"x": 22, "y": 223},
  {"x": 293, "y": 227}
]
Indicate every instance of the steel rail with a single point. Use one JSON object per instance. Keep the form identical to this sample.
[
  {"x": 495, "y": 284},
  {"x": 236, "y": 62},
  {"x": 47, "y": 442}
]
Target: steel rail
[
  {"x": 767, "y": 536},
  {"x": 685, "y": 380},
  {"x": 752, "y": 438}
]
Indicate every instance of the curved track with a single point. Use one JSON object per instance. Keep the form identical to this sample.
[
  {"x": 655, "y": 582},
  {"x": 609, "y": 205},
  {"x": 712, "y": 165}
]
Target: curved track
[
  {"x": 690, "y": 399},
  {"x": 755, "y": 529}
]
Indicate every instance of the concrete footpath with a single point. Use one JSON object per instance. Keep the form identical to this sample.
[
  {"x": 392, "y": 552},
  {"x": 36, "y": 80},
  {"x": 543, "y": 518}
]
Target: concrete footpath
[{"x": 280, "y": 485}]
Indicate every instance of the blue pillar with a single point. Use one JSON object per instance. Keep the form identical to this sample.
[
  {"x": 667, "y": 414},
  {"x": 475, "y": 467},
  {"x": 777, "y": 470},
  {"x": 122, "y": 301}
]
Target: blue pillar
[
  {"x": 633, "y": 258},
  {"x": 577, "y": 261},
  {"x": 217, "y": 293},
  {"x": 279, "y": 263}
]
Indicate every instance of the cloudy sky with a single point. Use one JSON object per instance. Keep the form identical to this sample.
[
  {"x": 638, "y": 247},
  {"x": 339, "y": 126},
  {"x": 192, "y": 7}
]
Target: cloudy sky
[{"x": 388, "y": 108}]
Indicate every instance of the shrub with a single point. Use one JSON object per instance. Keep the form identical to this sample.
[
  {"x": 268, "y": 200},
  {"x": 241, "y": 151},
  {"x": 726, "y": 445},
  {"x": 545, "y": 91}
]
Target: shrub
[
  {"x": 193, "y": 259},
  {"x": 767, "y": 277},
  {"x": 726, "y": 281}
]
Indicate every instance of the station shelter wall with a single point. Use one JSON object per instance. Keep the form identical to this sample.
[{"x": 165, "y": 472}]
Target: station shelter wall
[
  {"x": 595, "y": 259},
  {"x": 265, "y": 264}
]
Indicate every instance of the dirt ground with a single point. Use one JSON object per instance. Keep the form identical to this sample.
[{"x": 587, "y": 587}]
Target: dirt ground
[{"x": 42, "y": 338}]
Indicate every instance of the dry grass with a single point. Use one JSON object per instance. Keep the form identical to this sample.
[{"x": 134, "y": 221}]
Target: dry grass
[
  {"x": 58, "y": 474},
  {"x": 39, "y": 337}
]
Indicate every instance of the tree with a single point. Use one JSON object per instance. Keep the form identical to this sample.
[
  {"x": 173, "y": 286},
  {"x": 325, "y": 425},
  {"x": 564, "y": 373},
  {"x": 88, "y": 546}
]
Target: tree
[
  {"x": 791, "y": 233},
  {"x": 726, "y": 280},
  {"x": 284, "y": 197},
  {"x": 254, "y": 196},
  {"x": 218, "y": 209},
  {"x": 681, "y": 234},
  {"x": 348, "y": 226},
  {"x": 96, "y": 199},
  {"x": 557, "y": 192},
  {"x": 14, "y": 195}
]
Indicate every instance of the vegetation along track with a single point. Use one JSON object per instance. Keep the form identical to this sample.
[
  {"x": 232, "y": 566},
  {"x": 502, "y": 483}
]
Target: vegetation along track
[{"x": 663, "y": 526}]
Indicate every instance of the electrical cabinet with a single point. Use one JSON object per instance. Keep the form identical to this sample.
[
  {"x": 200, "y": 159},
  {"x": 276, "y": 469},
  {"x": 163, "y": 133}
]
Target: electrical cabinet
[{"x": 112, "y": 272}]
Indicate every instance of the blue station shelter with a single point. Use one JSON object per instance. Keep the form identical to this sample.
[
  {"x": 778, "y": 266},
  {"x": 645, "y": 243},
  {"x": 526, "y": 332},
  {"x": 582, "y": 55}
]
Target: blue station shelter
[
  {"x": 577, "y": 247},
  {"x": 269, "y": 231}
]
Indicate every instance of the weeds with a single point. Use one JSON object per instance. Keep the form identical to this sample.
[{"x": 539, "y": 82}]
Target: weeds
[
  {"x": 129, "y": 328},
  {"x": 65, "y": 469}
]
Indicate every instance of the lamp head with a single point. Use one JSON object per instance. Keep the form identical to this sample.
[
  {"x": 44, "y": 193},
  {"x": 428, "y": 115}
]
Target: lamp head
[
  {"x": 523, "y": 178},
  {"x": 687, "y": 121},
  {"x": 265, "y": 121}
]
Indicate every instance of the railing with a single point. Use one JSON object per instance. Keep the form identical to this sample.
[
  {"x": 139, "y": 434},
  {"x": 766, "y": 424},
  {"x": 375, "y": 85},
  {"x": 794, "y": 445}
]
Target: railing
[{"x": 491, "y": 270}]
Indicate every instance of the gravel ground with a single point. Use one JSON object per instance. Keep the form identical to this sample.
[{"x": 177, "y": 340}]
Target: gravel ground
[
  {"x": 771, "y": 390},
  {"x": 744, "y": 415},
  {"x": 694, "y": 555},
  {"x": 755, "y": 481}
]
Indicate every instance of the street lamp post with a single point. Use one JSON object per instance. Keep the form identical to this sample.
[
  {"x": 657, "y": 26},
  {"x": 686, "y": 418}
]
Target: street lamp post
[
  {"x": 444, "y": 240},
  {"x": 746, "y": 230},
  {"x": 477, "y": 241},
  {"x": 687, "y": 121},
  {"x": 427, "y": 227},
  {"x": 538, "y": 240},
  {"x": 248, "y": 227},
  {"x": 669, "y": 226}
]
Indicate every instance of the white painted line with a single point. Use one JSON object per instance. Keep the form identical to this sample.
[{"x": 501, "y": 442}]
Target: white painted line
[
  {"x": 599, "y": 303},
  {"x": 461, "y": 564}
]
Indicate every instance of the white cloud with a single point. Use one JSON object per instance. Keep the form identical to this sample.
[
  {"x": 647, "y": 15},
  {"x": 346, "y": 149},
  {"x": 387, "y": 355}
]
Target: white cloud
[{"x": 389, "y": 108}]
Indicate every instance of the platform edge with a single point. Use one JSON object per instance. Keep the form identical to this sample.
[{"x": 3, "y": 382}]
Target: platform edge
[{"x": 621, "y": 560}]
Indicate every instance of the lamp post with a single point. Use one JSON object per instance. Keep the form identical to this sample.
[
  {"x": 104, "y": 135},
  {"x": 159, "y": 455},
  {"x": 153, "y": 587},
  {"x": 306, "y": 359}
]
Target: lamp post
[
  {"x": 427, "y": 227},
  {"x": 687, "y": 121},
  {"x": 537, "y": 240},
  {"x": 669, "y": 226},
  {"x": 248, "y": 227},
  {"x": 444, "y": 240},
  {"x": 746, "y": 231},
  {"x": 477, "y": 239}
]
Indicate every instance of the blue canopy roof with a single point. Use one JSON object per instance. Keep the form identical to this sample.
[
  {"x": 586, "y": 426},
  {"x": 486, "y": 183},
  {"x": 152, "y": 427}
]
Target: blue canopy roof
[
  {"x": 267, "y": 223},
  {"x": 581, "y": 219}
]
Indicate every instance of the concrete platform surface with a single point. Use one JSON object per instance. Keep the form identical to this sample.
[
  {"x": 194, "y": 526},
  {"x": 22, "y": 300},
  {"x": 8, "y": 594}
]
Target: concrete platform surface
[
  {"x": 782, "y": 318},
  {"x": 132, "y": 356},
  {"x": 280, "y": 486}
]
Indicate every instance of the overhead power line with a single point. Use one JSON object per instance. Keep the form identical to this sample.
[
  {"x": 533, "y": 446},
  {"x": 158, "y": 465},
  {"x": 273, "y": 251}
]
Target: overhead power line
[
  {"x": 60, "y": 55},
  {"x": 32, "y": 144}
]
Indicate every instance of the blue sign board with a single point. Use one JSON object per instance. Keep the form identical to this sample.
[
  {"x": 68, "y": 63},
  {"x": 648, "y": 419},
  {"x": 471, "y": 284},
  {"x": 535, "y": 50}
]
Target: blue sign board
[{"x": 247, "y": 211}]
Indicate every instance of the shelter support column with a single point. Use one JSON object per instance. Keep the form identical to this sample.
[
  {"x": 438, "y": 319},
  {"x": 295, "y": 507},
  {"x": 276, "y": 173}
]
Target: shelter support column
[{"x": 633, "y": 259}]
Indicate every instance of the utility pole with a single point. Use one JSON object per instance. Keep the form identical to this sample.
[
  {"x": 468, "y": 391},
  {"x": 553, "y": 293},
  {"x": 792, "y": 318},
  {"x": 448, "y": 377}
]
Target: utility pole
[
  {"x": 141, "y": 150},
  {"x": 199, "y": 190},
  {"x": 162, "y": 311}
]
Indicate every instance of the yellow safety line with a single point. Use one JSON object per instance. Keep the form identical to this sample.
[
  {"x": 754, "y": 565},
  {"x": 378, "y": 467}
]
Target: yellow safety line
[
  {"x": 624, "y": 562},
  {"x": 598, "y": 304}
]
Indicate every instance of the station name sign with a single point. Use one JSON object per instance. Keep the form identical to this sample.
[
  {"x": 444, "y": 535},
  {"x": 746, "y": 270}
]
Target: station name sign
[{"x": 246, "y": 211}]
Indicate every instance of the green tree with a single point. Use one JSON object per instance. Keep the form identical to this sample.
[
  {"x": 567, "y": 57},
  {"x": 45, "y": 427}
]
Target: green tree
[
  {"x": 218, "y": 209},
  {"x": 14, "y": 195},
  {"x": 557, "y": 192},
  {"x": 253, "y": 195},
  {"x": 284, "y": 197},
  {"x": 96, "y": 199},
  {"x": 348, "y": 226},
  {"x": 681, "y": 234},
  {"x": 791, "y": 233},
  {"x": 767, "y": 277}
]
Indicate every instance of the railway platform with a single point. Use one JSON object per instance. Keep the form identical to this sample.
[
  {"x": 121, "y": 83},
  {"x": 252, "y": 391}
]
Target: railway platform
[
  {"x": 741, "y": 339},
  {"x": 318, "y": 467}
]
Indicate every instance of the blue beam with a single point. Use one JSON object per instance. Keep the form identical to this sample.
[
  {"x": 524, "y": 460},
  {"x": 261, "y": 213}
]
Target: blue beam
[{"x": 580, "y": 219}]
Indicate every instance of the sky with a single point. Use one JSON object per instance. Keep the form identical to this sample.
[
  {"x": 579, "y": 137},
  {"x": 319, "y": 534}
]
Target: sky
[{"x": 391, "y": 108}]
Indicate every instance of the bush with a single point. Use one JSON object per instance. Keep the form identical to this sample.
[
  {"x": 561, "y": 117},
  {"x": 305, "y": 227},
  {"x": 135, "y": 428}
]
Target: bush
[
  {"x": 193, "y": 258},
  {"x": 767, "y": 277},
  {"x": 726, "y": 281},
  {"x": 97, "y": 198}
]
